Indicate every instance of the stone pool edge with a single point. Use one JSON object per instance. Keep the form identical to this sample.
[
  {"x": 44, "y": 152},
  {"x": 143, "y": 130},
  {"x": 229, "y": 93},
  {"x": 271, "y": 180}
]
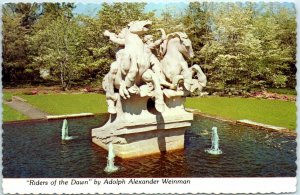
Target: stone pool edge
[
  {"x": 56, "y": 117},
  {"x": 245, "y": 122},
  {"x": 194, "y": 111}
]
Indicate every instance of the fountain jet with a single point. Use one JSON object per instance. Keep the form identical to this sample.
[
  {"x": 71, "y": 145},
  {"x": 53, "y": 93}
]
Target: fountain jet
[
  {"x": 214, "y": 143},
  {"x": 65, "y": 132},
  {"x": 110, "y": 167}
]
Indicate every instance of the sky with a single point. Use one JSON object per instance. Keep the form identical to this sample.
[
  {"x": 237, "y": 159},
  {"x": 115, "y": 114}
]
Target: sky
[{"x": 91, "y": 9}]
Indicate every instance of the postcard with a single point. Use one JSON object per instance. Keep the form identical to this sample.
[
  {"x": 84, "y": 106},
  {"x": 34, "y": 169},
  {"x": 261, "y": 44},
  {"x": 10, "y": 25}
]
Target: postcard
[{"x": 149, "y": 97}]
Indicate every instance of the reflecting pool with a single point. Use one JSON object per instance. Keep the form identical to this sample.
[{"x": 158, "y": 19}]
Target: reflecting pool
[{"x": 35, "y": 150}]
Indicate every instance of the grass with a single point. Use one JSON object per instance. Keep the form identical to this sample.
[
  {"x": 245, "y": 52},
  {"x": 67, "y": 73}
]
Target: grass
[
  {"x": 68, "y": 103},
  {"x": 272, "y": 112},
  {"x": 7, "y": 96},
  {"x": 10, "y": 114}
]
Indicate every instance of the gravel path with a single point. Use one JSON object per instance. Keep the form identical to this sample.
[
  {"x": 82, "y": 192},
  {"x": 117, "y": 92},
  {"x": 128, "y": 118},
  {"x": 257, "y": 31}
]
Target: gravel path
[{"x": 26, "y": 108}]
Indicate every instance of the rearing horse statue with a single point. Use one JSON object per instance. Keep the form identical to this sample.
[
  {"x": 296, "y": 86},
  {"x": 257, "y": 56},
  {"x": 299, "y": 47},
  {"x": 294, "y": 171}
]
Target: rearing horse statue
[
  {"x": 132, "y": 66},
  {"x": 174, "y": 50}
]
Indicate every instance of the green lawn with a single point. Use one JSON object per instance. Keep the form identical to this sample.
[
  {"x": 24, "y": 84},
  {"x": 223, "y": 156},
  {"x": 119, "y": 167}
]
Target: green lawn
[
  {"x": 10, "y": 114},
  {"x": 273, "y": 112},
  {"x": 68, "y": 103},
  {"x": 7, "y": 96}
]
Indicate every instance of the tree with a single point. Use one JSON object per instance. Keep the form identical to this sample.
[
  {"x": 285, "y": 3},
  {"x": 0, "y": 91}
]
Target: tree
[
  {"x": 112, "y": 17},
  {"x": 197, "y": 25},
  {"x": 286, "y": 34},
  {"x": 60, "y": 50},
  {"x": 17, "y": 25},
  {"x": 21, "y": 21},
  {"x": 276, "y": 28},
  {"x": 57, "y": 45},
  {"x": 240, "y": 46},
  {"x": 246, "y": 50}
]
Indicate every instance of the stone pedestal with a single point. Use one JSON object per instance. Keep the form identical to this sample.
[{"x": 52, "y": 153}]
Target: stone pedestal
[{"x": 138, "y": 129}]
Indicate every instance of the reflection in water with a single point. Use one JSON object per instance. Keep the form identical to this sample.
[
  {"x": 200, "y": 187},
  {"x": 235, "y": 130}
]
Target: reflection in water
[{"x": 35, "y": 150}]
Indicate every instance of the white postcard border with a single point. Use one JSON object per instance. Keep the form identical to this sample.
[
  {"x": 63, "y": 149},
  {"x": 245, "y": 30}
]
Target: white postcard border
[
  {"x": 192, "y": 185},
  {"x": 198, "y": 185}
]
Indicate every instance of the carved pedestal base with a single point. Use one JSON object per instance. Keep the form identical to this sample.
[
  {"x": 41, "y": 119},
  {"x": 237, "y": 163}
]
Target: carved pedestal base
[{"x": 138, "y": 129}]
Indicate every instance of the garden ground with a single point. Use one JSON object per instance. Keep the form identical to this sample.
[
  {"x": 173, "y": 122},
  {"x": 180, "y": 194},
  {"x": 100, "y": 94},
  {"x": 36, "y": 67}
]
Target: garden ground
[{"x": 273, "y": 112}]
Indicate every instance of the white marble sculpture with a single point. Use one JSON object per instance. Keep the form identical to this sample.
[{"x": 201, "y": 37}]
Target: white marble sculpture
[
  {"x": 138, "y": 71},
  {"x": 145, "y": 91}
]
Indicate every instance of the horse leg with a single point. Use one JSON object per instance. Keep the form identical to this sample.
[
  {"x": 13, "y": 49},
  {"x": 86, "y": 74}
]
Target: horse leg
[
  {"x": 150, "y": 76},
  {"x": 125, "y": 59},
  {"x": 129, "y": 71},
  {"x": 201, "y": 76},
  {"x": 132, "y": 73},
  {"x": 123, "y": 91},
  {"x": 129, "y": 78},
  {"x": 108, "y": 85},
  {"x": 176, "y": 79},
  {"x": 157, "y": 69},
  {"x": 187, "y": 75}
]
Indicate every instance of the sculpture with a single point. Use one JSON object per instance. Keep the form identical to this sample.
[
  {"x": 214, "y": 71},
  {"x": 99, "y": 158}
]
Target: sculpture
[
  {"x": 174, "y": 49},
  {"x": 136, "y": 64},
  {"x": 145, "y": 90}
]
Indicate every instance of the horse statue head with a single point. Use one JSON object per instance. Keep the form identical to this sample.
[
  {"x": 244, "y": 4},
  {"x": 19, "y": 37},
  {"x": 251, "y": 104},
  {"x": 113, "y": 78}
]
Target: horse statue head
[
  {"x": 139, "y": 27},
  {"x": 181, "y": 41}
]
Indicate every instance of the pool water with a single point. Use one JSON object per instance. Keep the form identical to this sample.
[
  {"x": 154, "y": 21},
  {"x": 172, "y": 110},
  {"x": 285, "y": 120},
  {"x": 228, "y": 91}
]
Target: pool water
[{"x": 35, "y": 150}]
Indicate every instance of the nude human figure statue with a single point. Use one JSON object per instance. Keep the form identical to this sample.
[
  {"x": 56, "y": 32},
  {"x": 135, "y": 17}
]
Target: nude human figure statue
[
  {"x": 133, "y": 66},
  {"x": 136, "y": 65}
]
